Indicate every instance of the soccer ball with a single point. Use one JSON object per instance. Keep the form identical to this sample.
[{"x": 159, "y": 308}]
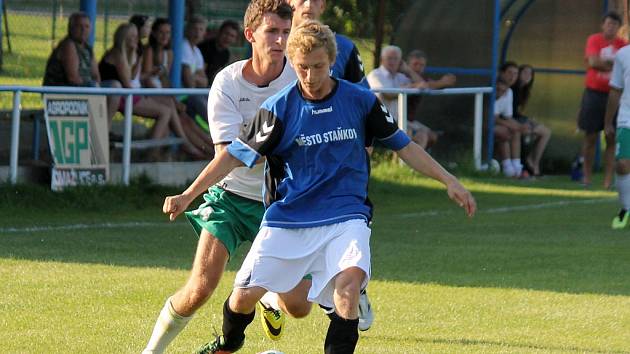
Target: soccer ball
[
  {"x": 272, "y": 351},
  {"x": 494, "y": 167}
]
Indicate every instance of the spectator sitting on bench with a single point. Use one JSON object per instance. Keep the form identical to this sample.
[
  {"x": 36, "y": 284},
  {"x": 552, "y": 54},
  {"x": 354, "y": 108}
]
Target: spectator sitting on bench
[
  {"x": 395, "y": 73},
  {"x": 117, "y": 64},
  {"x": 143, "y": 27},
  {"x": 417, "y": 61},
  {"x": 507, "y": 131},
  {"x": 72, "y": 62},
  {"x": 216, "y": 50},
  {"x": 156, "y": 66},
  {"x": 193, "y": 70},
  {"x": 540, "y": 134}
]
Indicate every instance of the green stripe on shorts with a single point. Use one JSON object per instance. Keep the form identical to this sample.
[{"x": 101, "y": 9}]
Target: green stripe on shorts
[
  {"x": 622, "y": 144},
  {"x": 230, "y": 218}
]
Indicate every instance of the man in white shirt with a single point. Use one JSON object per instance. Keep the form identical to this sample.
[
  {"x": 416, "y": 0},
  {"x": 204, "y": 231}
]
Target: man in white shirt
[
  {"x": 193, "y": 74},
  {"x": 233, "y": 208},
  {"x": 193, "y": 69},
  {"x": 392, "y": 73},
  {"x": 507, "y": 131},
  {"x": 395, "y": 73},
  {"x": 619, "y": 99}
]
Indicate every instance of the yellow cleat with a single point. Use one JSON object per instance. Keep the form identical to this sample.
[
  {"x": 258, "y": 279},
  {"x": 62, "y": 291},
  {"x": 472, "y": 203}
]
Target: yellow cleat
[
  {"x": 620, "y": 221},
  {"x": 272, "y": 321}
]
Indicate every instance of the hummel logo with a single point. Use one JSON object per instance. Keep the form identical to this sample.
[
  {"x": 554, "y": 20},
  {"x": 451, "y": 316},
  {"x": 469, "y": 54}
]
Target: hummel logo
[
  {"x": 387, "y": 115},
  {"x": 264, "y": 132},
  {"x": 322, "y": 110},
  {"x": 244, "y": 99}
]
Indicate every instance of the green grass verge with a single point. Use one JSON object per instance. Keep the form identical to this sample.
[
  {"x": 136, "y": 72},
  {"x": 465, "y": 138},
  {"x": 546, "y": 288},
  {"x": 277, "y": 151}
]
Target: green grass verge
[{"x": 538, "y": 270}]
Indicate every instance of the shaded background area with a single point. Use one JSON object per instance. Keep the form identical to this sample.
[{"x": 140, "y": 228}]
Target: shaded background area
[{"x": 550, "y": 35}]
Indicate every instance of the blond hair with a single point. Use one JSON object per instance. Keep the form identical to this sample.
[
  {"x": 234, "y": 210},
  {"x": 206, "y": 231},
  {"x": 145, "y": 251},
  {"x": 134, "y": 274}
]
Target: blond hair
[
  {"x": 258, "y": 8},
  {"x": 120, "y": 43},
  {"x": 309, "y": 36}
]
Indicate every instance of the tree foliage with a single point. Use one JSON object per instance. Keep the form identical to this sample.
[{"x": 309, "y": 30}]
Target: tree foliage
[{"x": 356, "y": 18}]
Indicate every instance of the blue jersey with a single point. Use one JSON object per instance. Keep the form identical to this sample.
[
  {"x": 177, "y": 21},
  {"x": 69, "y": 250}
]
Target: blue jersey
[
  {"x": 348, "y": 64},
  {"x": 317, "y": 167}
]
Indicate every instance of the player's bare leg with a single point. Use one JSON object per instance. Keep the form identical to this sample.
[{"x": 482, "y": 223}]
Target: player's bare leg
[
  {"x": 343, "y": 332},
  {"x": 210, "y": 260}
]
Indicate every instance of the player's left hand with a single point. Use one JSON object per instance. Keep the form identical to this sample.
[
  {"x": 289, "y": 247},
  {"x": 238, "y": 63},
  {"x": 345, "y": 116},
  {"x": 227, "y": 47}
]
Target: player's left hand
[
  {"x": 175, "y": 205},
  {"x": 462, "y": 197}
]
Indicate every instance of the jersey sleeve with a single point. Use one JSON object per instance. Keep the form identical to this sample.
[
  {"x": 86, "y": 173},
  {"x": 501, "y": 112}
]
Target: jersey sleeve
[
  {"x": 382, "y": 126},
  {"x": 354, "y": 71},
  {"x": 616, "y": 76},
  {"x": 259, "y": 139},
  {"x": 224, "y": 118}
]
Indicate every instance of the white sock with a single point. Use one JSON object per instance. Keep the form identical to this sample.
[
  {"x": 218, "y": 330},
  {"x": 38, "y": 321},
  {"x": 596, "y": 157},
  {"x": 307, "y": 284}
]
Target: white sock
[
  {"x": 623, "y": 187},
  {"x": 270, "y": 299},
  {"x": 518, "y": 167},
  {"x": 168, "y": 325},
  {"x": 508, "y": 169}
]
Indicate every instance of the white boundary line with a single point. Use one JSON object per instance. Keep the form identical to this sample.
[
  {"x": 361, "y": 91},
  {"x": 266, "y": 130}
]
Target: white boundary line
[
  {"x": 513, "y": 208},
  {"x": 109, "y": 225},
  {"x": 406, "y": 215}
]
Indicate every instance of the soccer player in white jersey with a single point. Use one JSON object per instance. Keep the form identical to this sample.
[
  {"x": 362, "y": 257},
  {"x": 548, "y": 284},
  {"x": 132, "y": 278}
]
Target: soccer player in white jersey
[
  {"x": 619, "y": 103},
  {"x": 313, "y": 135},
  {"x": 233, "y": 207}
]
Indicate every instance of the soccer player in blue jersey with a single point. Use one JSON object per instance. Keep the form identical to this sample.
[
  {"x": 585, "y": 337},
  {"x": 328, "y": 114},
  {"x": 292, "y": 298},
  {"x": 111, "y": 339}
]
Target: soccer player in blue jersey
[
  {"x": 313, "y": 134},
  {"x": 348, "y": 66}
]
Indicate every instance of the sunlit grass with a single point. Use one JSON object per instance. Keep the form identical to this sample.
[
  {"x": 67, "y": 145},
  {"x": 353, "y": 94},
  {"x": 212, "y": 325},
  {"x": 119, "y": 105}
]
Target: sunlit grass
[{"x": 517, "y": 278}]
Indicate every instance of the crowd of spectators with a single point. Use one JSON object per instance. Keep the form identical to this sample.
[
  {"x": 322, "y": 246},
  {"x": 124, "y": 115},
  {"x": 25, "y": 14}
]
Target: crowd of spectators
[
  {"x": 141, "y": 56},
  {"x": 394, "y": 72}
]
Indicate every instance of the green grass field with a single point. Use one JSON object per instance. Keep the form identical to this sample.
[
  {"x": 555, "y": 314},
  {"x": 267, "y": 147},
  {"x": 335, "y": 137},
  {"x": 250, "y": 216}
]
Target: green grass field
[{"x": 538, "y": 270}]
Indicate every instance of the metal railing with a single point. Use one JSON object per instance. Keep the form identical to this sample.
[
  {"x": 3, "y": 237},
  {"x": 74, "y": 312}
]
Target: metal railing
[
  {"x": 478, "y": 116},
  {"x": 129, "y": 93}
]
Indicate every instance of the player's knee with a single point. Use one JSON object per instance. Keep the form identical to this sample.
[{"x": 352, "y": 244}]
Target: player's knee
[
  {"x": 298, "y": 309},
  {"x": 243, "y": 300},
  {"x": 198, "y": 295},
  {"x": 348, "y": 283},
  {"x": 623, "y": 167}
]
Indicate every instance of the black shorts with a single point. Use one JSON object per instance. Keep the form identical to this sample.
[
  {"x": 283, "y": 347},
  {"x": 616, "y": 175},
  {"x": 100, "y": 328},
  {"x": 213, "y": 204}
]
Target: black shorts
[{"x": 592, "y": 111}]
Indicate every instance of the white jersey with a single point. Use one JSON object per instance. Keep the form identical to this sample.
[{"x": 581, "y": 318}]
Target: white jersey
[
  {"x": 503, "y": 105},
  {"x": 232, "y": 105},
  {"x": 620, "y": 79}
]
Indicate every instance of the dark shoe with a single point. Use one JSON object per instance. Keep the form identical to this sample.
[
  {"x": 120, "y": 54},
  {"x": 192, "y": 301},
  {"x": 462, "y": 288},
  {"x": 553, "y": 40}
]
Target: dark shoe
[{"x": 218, "y": 346}]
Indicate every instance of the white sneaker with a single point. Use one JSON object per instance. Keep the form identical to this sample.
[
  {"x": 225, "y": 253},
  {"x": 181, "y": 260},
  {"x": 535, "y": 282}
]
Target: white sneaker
[{"x": 366, "y": 315}]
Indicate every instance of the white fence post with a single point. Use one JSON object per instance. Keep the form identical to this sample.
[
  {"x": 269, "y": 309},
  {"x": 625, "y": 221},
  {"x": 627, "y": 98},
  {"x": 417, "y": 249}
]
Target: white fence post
[
  {"x": 478, "y": 130},
  {"x": 127, "y": 140},
  {"x": 15, "y": 136},
  {"x": 402, "y": 111}
]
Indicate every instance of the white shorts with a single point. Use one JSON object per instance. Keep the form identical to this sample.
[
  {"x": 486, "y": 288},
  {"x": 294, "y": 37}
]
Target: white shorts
[{"x": 279, "y": 258}]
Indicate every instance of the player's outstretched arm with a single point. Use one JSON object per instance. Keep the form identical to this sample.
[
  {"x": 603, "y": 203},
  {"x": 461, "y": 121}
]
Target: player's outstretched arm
[
  {"x": 219, "y": 167},
  {"x": 421, "y": 161}
]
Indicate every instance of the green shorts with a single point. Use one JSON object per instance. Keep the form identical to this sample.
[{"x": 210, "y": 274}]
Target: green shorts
[
  {"x": 230, "y": 218},
  {"x": 622, "y": 144}
]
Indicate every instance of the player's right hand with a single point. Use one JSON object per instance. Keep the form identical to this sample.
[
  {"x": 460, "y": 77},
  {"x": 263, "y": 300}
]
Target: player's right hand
[{"x": 175, "y": 205}]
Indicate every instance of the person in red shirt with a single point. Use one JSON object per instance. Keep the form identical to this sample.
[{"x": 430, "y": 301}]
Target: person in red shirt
[{"x": 599, "y": 55}]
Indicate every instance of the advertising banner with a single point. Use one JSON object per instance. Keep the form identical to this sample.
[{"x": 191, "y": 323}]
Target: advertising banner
[{"x": 78, "y": 137}]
